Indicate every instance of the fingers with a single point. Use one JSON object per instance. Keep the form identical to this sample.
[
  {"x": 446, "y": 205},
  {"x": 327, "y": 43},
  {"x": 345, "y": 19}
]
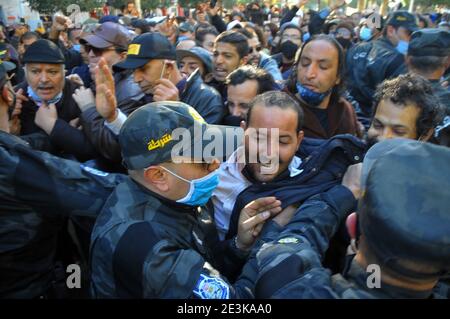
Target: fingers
[
  {"x": 252, "y": 222},
  {"x": 110, "y": 98},
  {"x": 262, "y": 204},
  {"x": 257, "y": 229},
  {"x": 20, "y": 96}
]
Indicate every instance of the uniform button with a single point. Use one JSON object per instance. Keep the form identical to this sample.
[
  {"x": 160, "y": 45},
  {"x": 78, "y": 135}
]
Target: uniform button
[
  {"x": 356, "y": 158},
  {"x": 314, "y": 170}
]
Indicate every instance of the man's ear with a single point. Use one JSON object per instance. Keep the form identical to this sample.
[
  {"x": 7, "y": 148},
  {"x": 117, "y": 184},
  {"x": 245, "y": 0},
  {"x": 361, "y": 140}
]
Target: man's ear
[
  {"x": 300, "y": 136},
  {"x": 157, "y": 177},
  {"x": 244, "y": 60},
  {"x": 352, "y": 225}
]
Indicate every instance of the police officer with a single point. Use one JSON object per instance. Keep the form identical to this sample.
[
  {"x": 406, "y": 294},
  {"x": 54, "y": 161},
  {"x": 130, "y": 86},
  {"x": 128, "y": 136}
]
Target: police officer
[
  {"x": 33, "y": 198},
  {"x": 152, "y": 239},
  {"x": 403, "y": 243},
  {"x": 370, "y": 63},
  {"x": 428, "y": 54}
]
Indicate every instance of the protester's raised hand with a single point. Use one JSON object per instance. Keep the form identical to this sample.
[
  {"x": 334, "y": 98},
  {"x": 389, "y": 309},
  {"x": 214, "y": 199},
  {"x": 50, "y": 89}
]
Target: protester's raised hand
[
  {"x": 337, "y": 4},
  {"x": 252, "y": 218},
  {"x": 301, "y": 3},
  {"x": 105, "y": 99},
  {"x": 213, "y": 11}
]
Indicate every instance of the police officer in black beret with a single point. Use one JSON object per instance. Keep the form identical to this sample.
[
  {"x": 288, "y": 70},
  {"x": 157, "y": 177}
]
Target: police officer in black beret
[
  {"x": 401, "y": 232},
  {"x": 428, "y": 54}
]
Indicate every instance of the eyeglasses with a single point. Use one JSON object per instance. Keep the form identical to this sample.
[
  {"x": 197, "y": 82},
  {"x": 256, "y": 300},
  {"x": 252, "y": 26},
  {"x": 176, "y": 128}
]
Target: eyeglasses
[
  {"x": 257, "y": 49},
  {"x": 97, "y": 51}
]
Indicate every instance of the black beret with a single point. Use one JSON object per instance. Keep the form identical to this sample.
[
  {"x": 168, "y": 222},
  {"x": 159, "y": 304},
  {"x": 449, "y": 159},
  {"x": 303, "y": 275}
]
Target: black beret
[
  {"x": 43, "y": 51},
  {"x": 430, "y": 42}
]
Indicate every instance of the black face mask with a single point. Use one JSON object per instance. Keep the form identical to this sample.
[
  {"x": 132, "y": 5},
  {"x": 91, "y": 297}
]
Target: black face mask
[
  {"x": 345, "y": 43},
  {"x": 232, "y": 120},
  {"x": 289, "y": 49}
]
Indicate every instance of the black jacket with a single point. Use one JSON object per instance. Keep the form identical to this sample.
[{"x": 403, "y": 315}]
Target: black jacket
[
  {"x": 202, "y": 97},
  {"x": 64, "y": 140},
  {"x": 369, "y": 64}
]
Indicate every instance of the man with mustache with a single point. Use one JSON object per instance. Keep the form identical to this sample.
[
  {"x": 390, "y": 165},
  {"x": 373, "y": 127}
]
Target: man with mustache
[
  {"x": 316, "y": 82},
  {"x": 45, "y": 103}
]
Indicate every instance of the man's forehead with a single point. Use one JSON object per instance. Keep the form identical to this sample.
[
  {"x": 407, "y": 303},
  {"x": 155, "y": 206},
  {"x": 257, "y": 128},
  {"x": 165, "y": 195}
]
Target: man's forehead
[
  {"x": 225, "y": 47},
  {"x": 273, "y": 117},
  {"x": 320, "y": 50},
  {"x": 43, "y": 65},
  {"x": 191, "y": 59}
]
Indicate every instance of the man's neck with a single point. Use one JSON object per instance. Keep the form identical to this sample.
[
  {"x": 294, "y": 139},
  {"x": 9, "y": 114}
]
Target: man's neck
[
  {"x": 436, "y": 75},
  {"x": 389, "y": 280}
]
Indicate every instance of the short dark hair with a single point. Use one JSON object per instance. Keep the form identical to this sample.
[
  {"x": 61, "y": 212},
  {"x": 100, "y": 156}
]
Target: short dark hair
[
  {"x": 427, "y": 64},
  {"x": 236, "y": 39},
  {"x": 278, "y": 99},
  {"x": 28, "y": 36},
  {"x": 338, "y": 89},
  {"x": 201, "y": 32},
  {"x": 412, "y": 89},
  {"x": 247, "y": 73}
]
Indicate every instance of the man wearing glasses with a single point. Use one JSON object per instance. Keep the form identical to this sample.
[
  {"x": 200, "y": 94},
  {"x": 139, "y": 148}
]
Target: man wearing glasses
[
  {"x": 110, "y": 41},
  {"x": 259, "y": 59}
]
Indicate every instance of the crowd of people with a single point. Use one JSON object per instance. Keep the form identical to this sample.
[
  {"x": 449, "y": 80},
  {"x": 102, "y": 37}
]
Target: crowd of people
[{"x": 355, "y": 115}]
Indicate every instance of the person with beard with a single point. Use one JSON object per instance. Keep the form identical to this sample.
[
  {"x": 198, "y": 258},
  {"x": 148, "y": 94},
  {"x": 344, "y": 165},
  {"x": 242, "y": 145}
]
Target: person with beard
[
  {"x": 316, "y": 83},
  {"x": 295, "y": 168},
  {"x": 243, "y": 85},
  {"x": 405, "y": 107},
  {"x": 152, "y": 58},
  {"x": 230, "y": 52},
  {"x": 290, "y": 41}
]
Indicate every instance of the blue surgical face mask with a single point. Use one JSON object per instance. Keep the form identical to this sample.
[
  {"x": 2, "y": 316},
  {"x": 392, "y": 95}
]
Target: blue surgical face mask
[
  {"x": 200, "y": 189},
  {"x": 306, "y": 36},
  {"x": 76, "y": 47},
  {"x": 402, "y": 47},
  {"x": 310, "y": 97},
  {"x": 365, "y": 33},
  {"x": 39, "y": 101}
]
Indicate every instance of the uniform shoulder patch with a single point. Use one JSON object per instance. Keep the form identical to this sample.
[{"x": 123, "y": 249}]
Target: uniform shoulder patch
[
  {"x": 288, "y": 240},
  {"x": 211, "y": 288},
  {"x": 93, "y": 171}
]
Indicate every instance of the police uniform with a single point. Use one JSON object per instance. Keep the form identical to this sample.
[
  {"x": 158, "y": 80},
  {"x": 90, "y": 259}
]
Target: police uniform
[
  {"x": 147, "y": 246},
  {"x": 433, "y": 43},
  {"x": 36, "y": 191},
  {"x": 403, "y": 215}
]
